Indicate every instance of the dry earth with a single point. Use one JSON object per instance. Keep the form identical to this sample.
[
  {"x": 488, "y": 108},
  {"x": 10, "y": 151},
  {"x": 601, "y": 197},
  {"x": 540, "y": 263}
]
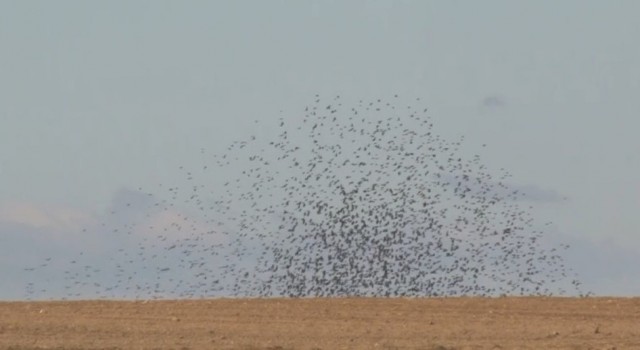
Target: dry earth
[{"x": 440, "y": 323}]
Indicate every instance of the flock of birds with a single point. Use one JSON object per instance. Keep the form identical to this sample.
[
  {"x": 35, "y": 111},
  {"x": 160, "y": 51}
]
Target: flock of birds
[{"x": 345, "y": 201}]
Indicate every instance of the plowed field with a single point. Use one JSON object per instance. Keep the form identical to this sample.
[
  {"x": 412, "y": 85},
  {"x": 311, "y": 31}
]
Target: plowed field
[{"x": 440, "y": 323}]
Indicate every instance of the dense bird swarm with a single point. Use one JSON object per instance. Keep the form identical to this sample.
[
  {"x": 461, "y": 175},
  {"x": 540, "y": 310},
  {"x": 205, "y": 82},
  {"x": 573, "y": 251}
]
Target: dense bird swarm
[{"x": 366, "y": 200}]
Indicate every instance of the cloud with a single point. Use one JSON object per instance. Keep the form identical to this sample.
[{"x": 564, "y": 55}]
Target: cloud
[
  {"x": 493, "y": 101},
  {"x": 130, "y": 211},
  {"x": 501, "y": 189},
  {"x": 44, "y": 216},
  {"x": 604, "y": 267},
  {"x": 146, "y": 214},
  {"x": 535, "y": 193},
  {"x": 42, "y": 246}
]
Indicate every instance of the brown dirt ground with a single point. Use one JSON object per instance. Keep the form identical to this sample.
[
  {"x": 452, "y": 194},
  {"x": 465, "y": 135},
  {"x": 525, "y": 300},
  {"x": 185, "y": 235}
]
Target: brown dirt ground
[{"x": 431, "y": 324}]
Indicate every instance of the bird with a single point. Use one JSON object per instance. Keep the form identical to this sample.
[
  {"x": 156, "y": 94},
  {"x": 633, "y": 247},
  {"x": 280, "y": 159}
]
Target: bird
[{"x": 349, "y": 199}]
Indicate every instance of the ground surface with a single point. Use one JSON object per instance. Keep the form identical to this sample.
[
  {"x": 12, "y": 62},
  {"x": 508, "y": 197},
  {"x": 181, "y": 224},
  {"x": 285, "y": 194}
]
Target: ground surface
[{"x": 450, "y": 323}]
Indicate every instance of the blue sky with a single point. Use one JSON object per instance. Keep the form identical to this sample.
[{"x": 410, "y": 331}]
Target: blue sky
[{"x": 96, "y": 97}]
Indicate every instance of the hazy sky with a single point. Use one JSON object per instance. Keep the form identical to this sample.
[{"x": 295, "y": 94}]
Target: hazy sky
[{"x": 96, "y": 96}]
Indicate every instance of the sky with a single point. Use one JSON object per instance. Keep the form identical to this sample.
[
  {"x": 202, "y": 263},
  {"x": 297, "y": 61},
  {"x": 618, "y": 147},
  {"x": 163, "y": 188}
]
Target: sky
[{"x": 97, "y": 98}]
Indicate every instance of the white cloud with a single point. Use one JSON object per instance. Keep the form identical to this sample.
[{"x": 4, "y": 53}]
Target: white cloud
[
  {"x": 56, "y": 218},
  {"x": 44, "y": 245}
]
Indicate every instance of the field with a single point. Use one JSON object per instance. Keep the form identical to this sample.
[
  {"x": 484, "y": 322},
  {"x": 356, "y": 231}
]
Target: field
[{"x": 437, "y": 323}]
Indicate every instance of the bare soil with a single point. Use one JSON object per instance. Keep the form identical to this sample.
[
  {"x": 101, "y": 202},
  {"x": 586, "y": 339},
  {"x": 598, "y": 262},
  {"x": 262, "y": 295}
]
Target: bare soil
[{"x": 359, "y": 323}]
